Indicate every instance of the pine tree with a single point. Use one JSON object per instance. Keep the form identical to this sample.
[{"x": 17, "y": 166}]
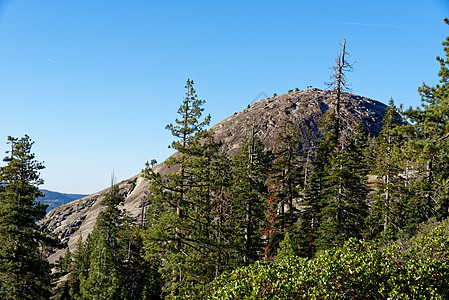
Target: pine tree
[
  {"x": 286, "y": 249},
  {"x": 208, "y": 208},
  {"x": 80, "y": 267},
  {"x": 429, "y": 125},
  {"x": 387, "y": 208},
  {"x": 63, "y": 266},
  {"x": 335, "y": 204},
  {"x": 62, "y": 291},
  {"x": 249, "y": 171},
  {"x": 210, "y": 201},
  {"x": 285, "y": 181},
  {"x": 104, "y": 277},
  {"x": 110, "y": 264},
  {"x": 24, "y": 272},
  {"x": 344, "y": 197},
  {"x": 139, "y": 278},
  {"x": 339, "y": 84},
  {"x": 370, "y": 153},
  {"x": 67, "y": 261},
  {"x": 331, "y": 150},
  {"x": 222, "y": 213},
  {"x": 314, "y": 191},
  {"x": 185, "y": 223}
]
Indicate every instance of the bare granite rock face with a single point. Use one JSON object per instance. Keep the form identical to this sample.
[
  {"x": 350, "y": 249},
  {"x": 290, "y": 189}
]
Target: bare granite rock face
[
  {"x": 74, "y": 219},
  {"x": 305, "y": 108}
]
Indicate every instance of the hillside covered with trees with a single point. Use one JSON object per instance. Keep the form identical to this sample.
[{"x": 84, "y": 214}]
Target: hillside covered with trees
[{"x": 287, "y": 222}]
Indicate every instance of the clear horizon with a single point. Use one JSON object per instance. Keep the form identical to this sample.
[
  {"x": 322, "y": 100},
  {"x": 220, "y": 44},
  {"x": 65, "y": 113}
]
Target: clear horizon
[{"x": 94, "y": 83}]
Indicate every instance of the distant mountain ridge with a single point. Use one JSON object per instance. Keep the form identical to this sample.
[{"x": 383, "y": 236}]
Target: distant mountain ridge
[
  {"x": 55, "y": 199},
  {"x": 305, "y": 109}
]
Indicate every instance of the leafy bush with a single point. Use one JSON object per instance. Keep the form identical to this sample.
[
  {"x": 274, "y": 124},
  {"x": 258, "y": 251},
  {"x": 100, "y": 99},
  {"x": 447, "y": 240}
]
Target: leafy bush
[{"x": 358, "y": 270}]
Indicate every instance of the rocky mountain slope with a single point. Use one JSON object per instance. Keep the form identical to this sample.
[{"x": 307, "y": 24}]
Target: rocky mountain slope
[{"x": 304, "y": 108}]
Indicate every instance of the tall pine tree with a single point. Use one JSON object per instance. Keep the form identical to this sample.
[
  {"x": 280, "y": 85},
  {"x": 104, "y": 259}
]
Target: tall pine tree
[
  {"x": 429, "y": 127},
  {"x": 285, "y": 182},
  {"x": 185, "y": 224},
  {"x": 24, "y": 272},
  {"x": 386, "y": 212},
  {"x": 339, "y": 84},
  {"x": 314, "y": 191},
  {"x": 80, "y": 267},
  {"x": 249, "y": 174},
  {"x": 105, "y": 263},
  {"x": 344, "y": 196},
  {"x": 338, "y": 190}
]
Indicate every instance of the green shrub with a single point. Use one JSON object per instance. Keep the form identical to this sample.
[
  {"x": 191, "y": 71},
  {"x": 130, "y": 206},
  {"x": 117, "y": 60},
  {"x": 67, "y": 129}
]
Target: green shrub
[{"x": 358, "y": 270}]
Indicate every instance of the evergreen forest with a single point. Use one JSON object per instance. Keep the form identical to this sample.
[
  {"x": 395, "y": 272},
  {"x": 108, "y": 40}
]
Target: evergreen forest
[{"x": 279, "y": 223}]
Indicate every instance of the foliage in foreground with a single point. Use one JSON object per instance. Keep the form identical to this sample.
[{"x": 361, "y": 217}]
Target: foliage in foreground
[{"x": 416, "y": 269}]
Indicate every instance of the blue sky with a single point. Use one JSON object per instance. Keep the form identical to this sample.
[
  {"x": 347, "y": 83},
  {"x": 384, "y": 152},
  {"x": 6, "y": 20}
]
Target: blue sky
[{"x": 95, "y": 82}]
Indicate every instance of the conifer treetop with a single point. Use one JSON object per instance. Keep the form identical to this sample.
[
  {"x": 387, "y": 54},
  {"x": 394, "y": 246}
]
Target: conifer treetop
[{"x": 189, "y": 123}]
